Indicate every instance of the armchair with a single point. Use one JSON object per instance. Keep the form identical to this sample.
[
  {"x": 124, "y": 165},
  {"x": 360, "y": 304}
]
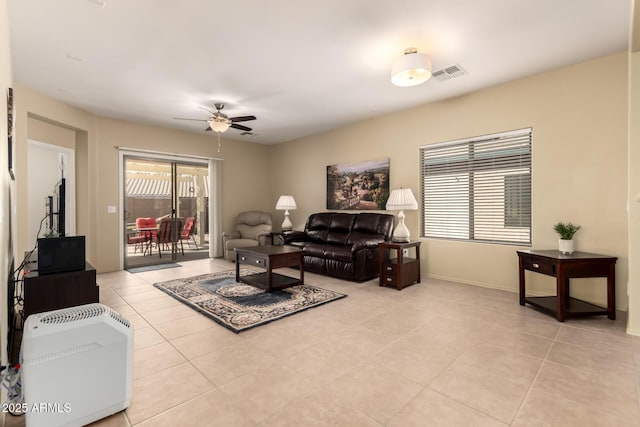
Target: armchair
[{"x": 252, "y": 229}]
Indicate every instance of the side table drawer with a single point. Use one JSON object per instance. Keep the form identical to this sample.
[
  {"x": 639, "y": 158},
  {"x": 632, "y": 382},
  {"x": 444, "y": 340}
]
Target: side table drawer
[
  {"x": 252, "y": 260},
  {"x": 388, "y": 279},
  {"x": 388, "y": 269},
  {"x": 539, "y": 266}
]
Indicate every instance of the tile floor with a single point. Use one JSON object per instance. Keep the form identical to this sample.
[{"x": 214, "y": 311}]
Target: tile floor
[{"x": 435, "y": 354}]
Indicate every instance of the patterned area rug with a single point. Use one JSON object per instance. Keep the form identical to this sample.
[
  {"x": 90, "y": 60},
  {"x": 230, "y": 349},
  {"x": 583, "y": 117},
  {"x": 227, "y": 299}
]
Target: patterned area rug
[{"x": 238, "y": 306}]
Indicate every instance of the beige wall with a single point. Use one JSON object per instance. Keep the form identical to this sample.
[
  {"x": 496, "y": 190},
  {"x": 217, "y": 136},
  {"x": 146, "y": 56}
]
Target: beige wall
[
  {"x": 7, "y": 209},
  {"x": 579, "y": 125}
]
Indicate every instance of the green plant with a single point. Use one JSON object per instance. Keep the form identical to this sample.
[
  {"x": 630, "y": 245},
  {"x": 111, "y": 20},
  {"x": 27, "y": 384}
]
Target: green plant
[{"x": 566, "y": 230}]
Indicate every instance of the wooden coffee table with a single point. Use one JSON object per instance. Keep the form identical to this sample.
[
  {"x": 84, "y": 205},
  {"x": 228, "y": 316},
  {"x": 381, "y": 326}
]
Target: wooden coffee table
[{"x": 269, "y": 258}]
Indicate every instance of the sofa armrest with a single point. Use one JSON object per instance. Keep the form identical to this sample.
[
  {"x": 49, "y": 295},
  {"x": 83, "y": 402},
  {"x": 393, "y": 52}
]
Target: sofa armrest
[
  {"x": 366, "y": 244},
  {"x": 294, "y": 236}
]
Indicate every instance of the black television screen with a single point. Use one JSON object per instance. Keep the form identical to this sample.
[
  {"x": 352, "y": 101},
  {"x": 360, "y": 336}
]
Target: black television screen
[{"x": 59, "y": 196}]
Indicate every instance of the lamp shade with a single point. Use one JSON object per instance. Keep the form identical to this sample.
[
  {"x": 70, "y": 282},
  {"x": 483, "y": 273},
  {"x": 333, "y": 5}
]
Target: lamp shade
[
  {"x": 402, "y": 199},
  {"x": 411, "y": 69},
  {"x": 286, "y": 203}
]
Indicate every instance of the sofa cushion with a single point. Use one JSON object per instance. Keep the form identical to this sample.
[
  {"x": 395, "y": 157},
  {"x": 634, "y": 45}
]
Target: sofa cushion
[
  {"x": 338, "y": 253},
  {"x": 340, "y": 228},
  {"x": 317, "y": 227}
]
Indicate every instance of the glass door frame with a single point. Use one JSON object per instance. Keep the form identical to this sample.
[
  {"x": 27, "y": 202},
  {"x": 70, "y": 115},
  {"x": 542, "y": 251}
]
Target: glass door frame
[{"x": 175, "y": 161}]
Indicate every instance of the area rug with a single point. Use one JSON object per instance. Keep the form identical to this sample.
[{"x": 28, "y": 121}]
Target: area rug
[{"x": 238, "y": 306}]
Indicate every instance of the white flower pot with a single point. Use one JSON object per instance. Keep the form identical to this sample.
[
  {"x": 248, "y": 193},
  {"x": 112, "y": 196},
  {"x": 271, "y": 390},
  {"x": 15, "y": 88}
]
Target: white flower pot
[{"x": 565, "y": 246}]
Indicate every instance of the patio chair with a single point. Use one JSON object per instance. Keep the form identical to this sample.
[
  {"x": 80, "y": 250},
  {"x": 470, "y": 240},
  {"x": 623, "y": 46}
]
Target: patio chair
[
  {"x": 187, "y": 231},
  {"x": 165, "y": 235}
]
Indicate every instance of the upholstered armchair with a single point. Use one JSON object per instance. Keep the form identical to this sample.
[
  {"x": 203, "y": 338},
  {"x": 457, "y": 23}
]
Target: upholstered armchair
[{"x": 252, "y": 229}]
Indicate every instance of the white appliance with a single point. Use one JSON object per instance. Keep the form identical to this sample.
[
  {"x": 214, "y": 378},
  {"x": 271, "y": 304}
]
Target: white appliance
[{"x": 75, "y": 365}]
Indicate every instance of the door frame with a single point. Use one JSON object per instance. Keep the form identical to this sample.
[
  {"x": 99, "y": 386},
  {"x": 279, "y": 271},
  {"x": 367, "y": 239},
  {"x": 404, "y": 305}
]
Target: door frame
[{"x": 147, "y": 155}]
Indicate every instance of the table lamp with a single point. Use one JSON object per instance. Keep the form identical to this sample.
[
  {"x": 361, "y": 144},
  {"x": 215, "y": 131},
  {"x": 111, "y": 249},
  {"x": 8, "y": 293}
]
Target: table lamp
[
  {"x": 399, "y": 200},
  {"x": 286, "y": 203}
]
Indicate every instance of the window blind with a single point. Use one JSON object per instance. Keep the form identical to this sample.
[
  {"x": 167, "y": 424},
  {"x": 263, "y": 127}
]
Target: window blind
[{"x": 478, "y": 189}]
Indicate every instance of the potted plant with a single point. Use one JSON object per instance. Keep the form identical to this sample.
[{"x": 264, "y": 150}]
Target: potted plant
[{"x": 566, "y": 232}]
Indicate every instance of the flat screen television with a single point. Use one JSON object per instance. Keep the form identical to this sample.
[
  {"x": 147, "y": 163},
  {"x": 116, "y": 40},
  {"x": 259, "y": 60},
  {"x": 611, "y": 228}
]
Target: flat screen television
[{"x": 59, "y": 198}]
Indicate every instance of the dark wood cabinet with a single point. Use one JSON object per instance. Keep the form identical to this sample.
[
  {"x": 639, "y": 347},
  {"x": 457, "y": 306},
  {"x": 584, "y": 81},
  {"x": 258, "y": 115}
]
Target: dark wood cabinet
[
  {"x": 59, "y": 290},
  {"x": 564, "y": 267},
  {"x": 398, "y": 266}
]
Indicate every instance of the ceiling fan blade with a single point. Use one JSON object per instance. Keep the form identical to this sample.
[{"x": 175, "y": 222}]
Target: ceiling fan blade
[
  {"x": 244, "y": 128},
  {"x": 242, "y": 118},
  {"x": 195, "y": 120}
]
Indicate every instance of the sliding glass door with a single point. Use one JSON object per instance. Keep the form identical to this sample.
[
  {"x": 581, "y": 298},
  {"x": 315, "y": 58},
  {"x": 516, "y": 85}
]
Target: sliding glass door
[{"x": 165, "y": 211}]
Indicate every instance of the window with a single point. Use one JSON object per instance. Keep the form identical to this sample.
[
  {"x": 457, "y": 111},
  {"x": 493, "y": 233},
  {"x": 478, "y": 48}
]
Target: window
[{"x": 478, "y": 189}]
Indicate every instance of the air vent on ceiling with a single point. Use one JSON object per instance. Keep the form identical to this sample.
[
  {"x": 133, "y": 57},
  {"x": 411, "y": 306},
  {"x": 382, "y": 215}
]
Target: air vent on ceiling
[{"x": 449, "y": 72}]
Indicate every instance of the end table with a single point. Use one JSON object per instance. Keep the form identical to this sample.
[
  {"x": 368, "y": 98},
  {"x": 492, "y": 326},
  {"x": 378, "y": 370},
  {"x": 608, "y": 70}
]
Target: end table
[{"x": 403, "y": 269}]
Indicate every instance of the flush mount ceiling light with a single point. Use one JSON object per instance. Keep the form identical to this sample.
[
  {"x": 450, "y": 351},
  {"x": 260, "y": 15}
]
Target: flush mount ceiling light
[{"x": 411, "y": 69}]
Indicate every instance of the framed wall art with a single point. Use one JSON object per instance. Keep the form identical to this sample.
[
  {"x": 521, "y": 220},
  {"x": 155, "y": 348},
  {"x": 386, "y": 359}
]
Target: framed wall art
[
  {"x": 358, "y": 185},
  {"x": 10, "y": 132}
]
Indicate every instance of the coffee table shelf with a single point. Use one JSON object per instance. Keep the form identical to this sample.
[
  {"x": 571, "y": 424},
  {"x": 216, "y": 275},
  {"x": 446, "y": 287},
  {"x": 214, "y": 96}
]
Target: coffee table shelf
[
  {"x": 270, "y": 258},
  {"x": 278, "y": 281}
]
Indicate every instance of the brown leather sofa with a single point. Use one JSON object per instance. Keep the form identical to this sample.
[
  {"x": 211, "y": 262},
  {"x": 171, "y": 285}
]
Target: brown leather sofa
[{"x": 342, "y": 245}]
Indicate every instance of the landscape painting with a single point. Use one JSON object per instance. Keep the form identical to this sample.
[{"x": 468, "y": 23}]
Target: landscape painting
[{"x": 358, "y": 185}]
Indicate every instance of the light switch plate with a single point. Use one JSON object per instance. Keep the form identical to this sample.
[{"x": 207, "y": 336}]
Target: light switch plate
[{"x": 111, "y": 209}]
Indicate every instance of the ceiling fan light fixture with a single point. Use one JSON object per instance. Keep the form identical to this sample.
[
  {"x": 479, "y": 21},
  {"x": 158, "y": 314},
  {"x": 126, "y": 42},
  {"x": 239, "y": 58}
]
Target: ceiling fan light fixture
[
  {"x": 411, "y": 69},
  {"x": 219, "y": 125}
]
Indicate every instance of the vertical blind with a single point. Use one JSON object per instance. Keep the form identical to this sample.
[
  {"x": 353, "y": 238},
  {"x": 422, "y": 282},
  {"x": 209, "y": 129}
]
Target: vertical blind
[{"x": 478, "y": 189}]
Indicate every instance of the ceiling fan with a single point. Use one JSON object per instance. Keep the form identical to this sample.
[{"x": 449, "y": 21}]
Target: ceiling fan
[{"x": 220, "y": 122}]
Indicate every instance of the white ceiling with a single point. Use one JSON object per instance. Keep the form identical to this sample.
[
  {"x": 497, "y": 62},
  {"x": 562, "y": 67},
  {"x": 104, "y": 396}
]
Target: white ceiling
[{"x": 300, "y": 66}]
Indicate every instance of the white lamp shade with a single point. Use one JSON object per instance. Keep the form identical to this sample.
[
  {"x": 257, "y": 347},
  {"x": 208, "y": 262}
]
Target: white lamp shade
[
  {"x": 219, "y": 125},
  {"x": 411, "y": 69},
  {"x": 286, "y": 203},
  {"x": 402, "y": 199}
]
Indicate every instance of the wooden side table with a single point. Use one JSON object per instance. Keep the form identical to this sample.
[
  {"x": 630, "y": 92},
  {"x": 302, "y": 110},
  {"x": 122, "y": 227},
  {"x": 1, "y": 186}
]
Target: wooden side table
[
  {"x": 564, "y": 267},
  {"x": 403, "y": 269}
]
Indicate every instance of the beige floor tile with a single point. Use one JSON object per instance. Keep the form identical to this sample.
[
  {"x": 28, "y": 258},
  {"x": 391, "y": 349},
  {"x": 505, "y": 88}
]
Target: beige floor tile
[
  {"x": 261, "y": 393},
  {"x": 591, "y": 359},
  {"x": 502, "y": 362},
  {"x": 168, "y": 314},
  {"x": 435, "y": 410},
  {"x": 163, "y": 390},
  {"x": 205, "y": 341},
  {"x": 599, "y": 340},
  {"x": 374, "y": 390},
  {"x": 521, "y": 342},
  {"x": 228, "y": 363},
  {"x": 152, "y": 304},
  {"x": 544, "y": 409},
  {"x": 603, "y": 391},
  {"x": 155, "y": 358},
  {"x": 210, "y": 409},
  {"x": 278, "y": 340},
  {"x": 491, "y": 393},
  {"x": 137, "y": 321},
  {"x": 110, "y": 298},
  {"x": 184, "y": 326},
  {"x": 116, "y": 420},
  {"x": 414, "y": 360},
  {"x": 319, "y": 410},
  {"x": 146, "y": 337},
  {"x": 322, "y": 362},
  {"x": 361, "y": 342}
]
